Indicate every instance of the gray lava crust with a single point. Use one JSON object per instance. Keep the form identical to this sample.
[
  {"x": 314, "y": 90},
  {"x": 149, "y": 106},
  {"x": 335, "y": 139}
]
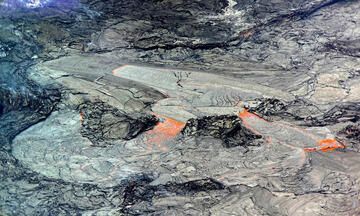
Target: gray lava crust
[{"x": 182, "y": 107}]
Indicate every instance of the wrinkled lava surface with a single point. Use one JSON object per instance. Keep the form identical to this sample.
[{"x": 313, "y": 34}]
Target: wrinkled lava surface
[{"x": 217, "y": 107}]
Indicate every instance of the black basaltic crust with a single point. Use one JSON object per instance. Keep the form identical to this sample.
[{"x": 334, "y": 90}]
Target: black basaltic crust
[
  {"x": 138, "y": 190},
  {"x": 351, "y": 135},
  {"x": 102, "y": 123},
  {"x": 352, "y": 132},
  {"x": 300, "y": 110},
  {"x": 22, "y": 110},
  {"x": 347, "y": 112},
  {"x": 227, "y": 128}
]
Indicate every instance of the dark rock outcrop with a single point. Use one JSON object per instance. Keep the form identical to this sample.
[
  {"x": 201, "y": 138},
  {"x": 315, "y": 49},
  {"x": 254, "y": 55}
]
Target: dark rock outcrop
[
  {"x": 351, "y": 135},
  {"x": 102, "y": 123},
  {"x": 227, "y": 128}
]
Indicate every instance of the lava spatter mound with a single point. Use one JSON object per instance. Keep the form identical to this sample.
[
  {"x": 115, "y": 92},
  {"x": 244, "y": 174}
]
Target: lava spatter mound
[
  {"x": 140, "y": 196},
  {"x": 347, "y": 112},
  {"x": 351, "y": 133},
  {"x": 227, "y": 128},
  {"x": 275, "y": 109},
  {"x": 102, "y": 123}
]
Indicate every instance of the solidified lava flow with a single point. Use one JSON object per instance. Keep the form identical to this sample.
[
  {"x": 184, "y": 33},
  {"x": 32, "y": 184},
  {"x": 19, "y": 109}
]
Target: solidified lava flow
[
  {"x": 253, "y": 121},
  {"x": 181, "y": 107}
]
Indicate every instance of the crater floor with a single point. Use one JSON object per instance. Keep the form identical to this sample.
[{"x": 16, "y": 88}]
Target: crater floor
[{"x": 179, "y": 107}]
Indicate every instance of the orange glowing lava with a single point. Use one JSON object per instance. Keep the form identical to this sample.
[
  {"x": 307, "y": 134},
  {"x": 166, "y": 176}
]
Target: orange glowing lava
[
  {"x": 251, "y": 120},
  {"x": 329, "y": 145},
  {"x": 165, "y": 130},
  {"x": 114, "y": 72},
  {"x": 326, "y": 145},
  {"x": 82, "y": 117},
  {"x": 246, "y": 34},
  {"x": 246, "y": 114}
]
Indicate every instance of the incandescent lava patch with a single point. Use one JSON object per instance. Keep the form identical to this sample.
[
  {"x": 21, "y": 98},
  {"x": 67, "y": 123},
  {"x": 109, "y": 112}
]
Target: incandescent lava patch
[
  {"x": 164, "y": 131},
  {"x": 290, "y": 135}
]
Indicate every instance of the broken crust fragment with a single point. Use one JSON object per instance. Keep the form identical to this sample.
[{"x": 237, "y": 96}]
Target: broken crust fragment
[
  {"x": 351, "y": 135},
  {"x": 102, "y": 123},
  {"x": 227, "y": 128}
]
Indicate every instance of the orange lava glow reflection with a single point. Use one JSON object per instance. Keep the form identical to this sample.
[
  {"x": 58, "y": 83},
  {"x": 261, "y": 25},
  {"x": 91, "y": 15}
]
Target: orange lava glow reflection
[
  {"x": 166, "y": 130},
  {"x": 326, "y": 145},
  {"x": 246, "y": 114},
  {"x": 115, "y": 71},
  {"x": 82, "y": 117}
]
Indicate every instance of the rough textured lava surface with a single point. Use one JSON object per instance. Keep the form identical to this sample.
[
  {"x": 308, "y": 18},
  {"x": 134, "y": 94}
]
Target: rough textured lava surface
[{"x": 180, "y": 107}]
